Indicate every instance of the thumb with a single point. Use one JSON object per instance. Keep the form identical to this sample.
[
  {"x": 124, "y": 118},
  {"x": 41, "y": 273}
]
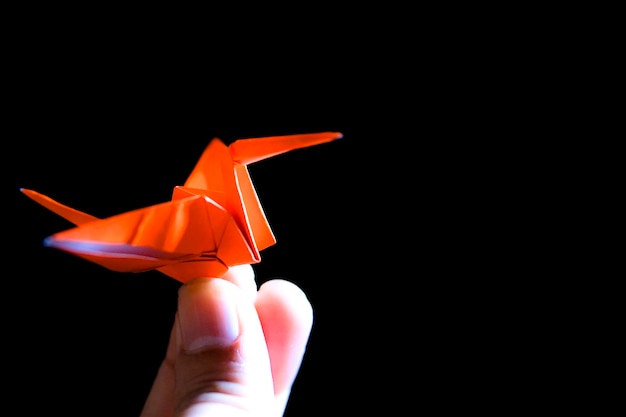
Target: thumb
[{"x": 222, "y": 364}]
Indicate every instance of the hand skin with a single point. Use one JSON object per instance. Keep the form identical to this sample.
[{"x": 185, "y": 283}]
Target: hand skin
[{"x": 233, "y": 351}]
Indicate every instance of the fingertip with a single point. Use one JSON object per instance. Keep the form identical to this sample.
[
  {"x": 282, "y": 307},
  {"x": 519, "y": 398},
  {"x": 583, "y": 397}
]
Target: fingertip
[
  {"x": 286, "y": 316},
  {"x": 290, "y": 296}
]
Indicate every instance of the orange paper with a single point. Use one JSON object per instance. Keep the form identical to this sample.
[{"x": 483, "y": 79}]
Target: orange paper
[{"x": 214, "y": 221}]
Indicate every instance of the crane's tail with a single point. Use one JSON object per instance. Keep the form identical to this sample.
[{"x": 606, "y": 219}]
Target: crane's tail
[{"x": 68, "y": 213}]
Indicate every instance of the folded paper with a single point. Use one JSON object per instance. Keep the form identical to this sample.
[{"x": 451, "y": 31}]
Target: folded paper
[{"x": 213, "y": 221}]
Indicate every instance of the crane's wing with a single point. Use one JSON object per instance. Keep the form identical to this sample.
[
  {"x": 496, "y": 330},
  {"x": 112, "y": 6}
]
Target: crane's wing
[{"x": 191, "y": 235}]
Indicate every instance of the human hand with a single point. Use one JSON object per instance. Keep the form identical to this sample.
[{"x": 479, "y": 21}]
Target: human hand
[{"x": 233, "y": 351}]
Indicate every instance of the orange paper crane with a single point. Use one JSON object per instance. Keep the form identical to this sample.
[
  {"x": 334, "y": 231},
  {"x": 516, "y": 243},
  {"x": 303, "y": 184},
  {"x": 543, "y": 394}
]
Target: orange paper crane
[{"x": 214, "y": 221}]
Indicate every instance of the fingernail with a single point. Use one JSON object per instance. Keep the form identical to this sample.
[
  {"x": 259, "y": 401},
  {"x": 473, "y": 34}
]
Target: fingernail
[{"x": 207, "y": 314}]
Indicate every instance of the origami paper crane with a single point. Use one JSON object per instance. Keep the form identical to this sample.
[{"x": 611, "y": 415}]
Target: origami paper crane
[{"x": 214, "y": 221}]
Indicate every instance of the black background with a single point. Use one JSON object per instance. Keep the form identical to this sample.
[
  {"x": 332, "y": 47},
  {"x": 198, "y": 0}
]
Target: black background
[{"x": 409, "y": 235}]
